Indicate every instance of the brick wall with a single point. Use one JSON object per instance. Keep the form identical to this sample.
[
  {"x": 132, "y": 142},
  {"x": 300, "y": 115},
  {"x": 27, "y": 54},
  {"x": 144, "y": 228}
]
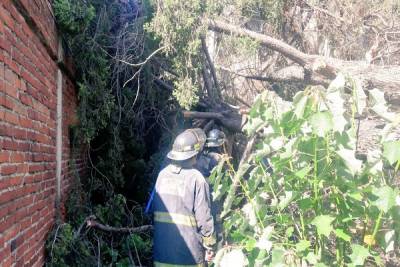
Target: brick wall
[{"x": 28, "y": 99}]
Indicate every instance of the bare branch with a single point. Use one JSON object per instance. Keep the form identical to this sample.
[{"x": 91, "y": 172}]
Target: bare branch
[
  {"x": 211, "y": 65},
  {"x": 91, "y": 222}
]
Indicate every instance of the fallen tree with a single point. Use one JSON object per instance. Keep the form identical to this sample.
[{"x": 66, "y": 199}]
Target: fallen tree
[{"x": 318, "y": 69}]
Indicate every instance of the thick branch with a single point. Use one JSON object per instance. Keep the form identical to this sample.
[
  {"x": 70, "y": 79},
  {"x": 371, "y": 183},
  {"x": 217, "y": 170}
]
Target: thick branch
[
  {"x": 272, "y": 43},
  {"x": 287, "y": 74},
  {"x": 211, "y": 65},
  {"x": 91, "y": 222},
  {"x": 385, "y": 78}
]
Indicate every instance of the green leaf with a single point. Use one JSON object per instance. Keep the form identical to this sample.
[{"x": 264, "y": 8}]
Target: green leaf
[
  {"x": 250, "y": 244},
  {"x": 390, "y": 238},
  {"x": 289, "y": 231},
  {"x": 285, "y": 200},
  {"x": 360, "y": 97},
  {"x": 303, "y": 245},
  {"x": 323, "y": 224},
  {"x": 303, "y": 172},
  {"x": 391, "y": 151},
  {"x": 359, "y": 254},
  {"x": 349, "y": 159},
  {"x": 338, "y": 83},
  {"x": 335, "y": 102},
  {"x": 312, "y": 258},
  {"x": 378, "y": 102},
  {"x": 320, "y": 264},
  {"x": 321, "y": 123},
  {"x": 341, "y": 234},
  {"x": 386, "y": 198},
  {"x": 299, "y": 102},
  {"x": 278, "y": 257},
  {"x": 253, "y": 125}
]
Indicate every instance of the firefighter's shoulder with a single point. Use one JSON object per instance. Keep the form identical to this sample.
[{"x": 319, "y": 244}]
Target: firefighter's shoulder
[{"x": 198, "y": 176}]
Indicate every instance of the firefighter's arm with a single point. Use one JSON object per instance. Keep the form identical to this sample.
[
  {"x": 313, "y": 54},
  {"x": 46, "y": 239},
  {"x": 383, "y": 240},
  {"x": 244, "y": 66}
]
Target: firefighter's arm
[{"x": 202, "y": 212}]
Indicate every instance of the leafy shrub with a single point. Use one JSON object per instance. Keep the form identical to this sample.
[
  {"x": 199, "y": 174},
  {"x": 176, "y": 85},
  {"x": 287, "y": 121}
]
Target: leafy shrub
[{"x": 316, "y": 202}]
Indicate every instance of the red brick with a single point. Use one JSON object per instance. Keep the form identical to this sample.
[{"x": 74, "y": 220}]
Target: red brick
[
  {"x": 26, "y": 123},
  {"x": 8, "y": 169},
  {"x": 26, "y": 100},
  {"x": 11, "y": 118},
  {"x": 17, "y": 157},
  {"x": 4, "y": 156}
]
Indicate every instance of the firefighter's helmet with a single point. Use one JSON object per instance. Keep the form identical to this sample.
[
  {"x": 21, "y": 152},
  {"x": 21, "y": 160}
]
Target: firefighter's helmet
[
  {"x": 187, "y": 144},
  {"x": 215, "y": 138}
]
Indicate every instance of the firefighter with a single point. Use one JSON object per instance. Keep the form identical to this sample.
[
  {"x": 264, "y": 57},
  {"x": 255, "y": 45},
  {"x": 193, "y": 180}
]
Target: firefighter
[
  {"x": 210, "y": 158},
  {"x": 212, "y": 154},
  {"x": 183, "y": 224}
]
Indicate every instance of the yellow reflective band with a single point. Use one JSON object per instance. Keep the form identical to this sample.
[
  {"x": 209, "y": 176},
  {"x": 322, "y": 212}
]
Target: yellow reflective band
[
  {"x": 160, "y": 264},
  {"x": 174, "y": 218}
]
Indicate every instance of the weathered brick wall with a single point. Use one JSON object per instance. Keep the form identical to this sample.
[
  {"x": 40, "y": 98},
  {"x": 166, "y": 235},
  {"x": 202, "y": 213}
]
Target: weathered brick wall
[{"x": 28, "y": 99}]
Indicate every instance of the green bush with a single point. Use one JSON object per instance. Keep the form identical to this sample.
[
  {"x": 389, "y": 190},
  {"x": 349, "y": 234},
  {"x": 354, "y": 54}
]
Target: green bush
[{"x": 317, "y": 203}]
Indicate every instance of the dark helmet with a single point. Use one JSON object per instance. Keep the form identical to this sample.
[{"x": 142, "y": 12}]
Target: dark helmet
[
  {"x": 215, "y": 138},
  {"x": 187, "y": 145}
]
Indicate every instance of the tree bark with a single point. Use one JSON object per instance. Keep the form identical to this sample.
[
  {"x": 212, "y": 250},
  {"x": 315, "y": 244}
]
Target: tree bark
[{"x": 385, "y": 78}]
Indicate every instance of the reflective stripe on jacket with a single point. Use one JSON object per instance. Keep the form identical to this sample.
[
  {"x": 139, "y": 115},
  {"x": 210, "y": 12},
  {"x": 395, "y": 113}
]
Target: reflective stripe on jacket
[{"x": 182, "y": 217}]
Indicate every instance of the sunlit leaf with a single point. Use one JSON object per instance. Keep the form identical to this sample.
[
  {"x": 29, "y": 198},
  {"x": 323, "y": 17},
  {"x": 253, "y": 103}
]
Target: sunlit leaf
[
  {"x": 303, "y": 245},
  {"x": 321, "y": 123},
  {"x": 378, "y": 102},
  {"x": 299, "y": 102},
  {"x": 390, "y": 237},
  {"x": 235, "y": 257},
  {"x": 391, "y": 151},
  {"x": 386, "y": 198},
  {"x": 278, "y": 257},
  {"x": 303, "y": 172},
  {"x": 341, "y": 234},
  {"x": 323, "y": 224},
  {"x": 312, "y": 258},
  {"x": 359, "y": 254},
  {"x": 338, "y": 83},
  {"x": 285, "y": 200},
  {"x": 349, "y": 159}
]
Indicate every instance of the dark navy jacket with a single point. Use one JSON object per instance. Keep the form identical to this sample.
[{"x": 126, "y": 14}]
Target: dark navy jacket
[{"x": 182, "y": 217}]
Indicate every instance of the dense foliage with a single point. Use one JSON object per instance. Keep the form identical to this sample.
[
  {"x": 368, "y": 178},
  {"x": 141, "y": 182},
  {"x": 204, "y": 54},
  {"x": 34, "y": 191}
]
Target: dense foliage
[
  {"x": 317, "y": 202},
  {"x": 179, "y": 25},
  {"x": 120, "y": 113}
]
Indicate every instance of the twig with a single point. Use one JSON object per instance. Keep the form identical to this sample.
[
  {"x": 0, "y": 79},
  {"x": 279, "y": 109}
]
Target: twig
[
  {"x": 326, "y": 12},
  {"x": 146, "y": 60},
  {"x": 91, "y": 222}
]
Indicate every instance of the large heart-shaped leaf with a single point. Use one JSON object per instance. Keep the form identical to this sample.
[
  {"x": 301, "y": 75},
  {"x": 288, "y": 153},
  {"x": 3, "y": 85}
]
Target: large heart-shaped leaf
[
  {"x": 349, "y": 159},
  {"x": 386, "y": 198},
  {"x": 391, "y": 151},
  {"x": 321, "y": 123},
  {"x": 323, "y": 224},
  {"x": 359, "y": 254}
]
